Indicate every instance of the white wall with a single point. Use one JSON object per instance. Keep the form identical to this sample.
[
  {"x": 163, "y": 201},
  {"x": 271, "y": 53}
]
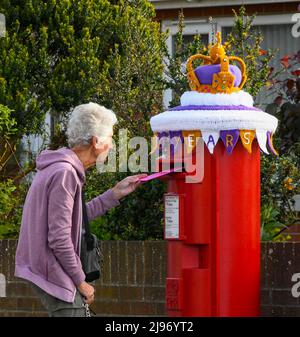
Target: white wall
[{"x": 34, "y": 143}]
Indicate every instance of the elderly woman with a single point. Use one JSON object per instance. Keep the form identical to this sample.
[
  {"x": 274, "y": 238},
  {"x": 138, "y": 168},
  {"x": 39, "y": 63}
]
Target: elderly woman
[{"x": 48, "y": 252}]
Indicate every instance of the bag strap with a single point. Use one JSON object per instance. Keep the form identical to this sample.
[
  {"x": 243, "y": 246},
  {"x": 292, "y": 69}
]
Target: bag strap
[{"x": 86, "y": 224}]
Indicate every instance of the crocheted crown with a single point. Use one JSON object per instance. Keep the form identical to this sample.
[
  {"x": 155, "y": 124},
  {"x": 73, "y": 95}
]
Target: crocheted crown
[
  {"x": 217, "y": 75},
  {"x": 217, "y": 107}
]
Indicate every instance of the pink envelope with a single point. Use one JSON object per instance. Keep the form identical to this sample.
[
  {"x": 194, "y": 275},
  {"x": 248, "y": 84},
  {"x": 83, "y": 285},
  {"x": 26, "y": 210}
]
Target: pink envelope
[{"x": 159, "y": 174}]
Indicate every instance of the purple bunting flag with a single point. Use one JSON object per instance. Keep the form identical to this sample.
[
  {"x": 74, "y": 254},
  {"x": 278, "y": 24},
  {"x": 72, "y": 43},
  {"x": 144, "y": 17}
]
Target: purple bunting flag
[
  {"x": 230, "y": 138},
  {"x": 176, "y": 140}
]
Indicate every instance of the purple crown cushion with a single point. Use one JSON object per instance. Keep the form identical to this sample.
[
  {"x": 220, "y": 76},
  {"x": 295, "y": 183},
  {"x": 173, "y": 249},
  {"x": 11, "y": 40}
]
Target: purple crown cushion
[{"x": 205, "y": 73}]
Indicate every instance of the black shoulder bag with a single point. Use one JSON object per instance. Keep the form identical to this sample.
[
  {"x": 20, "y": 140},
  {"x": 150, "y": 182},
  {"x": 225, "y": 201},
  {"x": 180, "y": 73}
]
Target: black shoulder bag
[{"x": 90, "y": 254}]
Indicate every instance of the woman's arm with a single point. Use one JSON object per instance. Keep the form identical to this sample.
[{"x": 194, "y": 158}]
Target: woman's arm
[
  {"x": 101, "y": 204},
  {"x": 109, "y": 199}
]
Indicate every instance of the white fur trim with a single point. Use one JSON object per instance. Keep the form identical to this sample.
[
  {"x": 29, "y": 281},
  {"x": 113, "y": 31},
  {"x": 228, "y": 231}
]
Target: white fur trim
[
  {"x": 200, "y": 98},
  {"x": 213, "y": 120}
]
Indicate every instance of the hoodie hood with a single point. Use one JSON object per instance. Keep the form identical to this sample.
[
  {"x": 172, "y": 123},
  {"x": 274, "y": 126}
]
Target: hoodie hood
[{"x": 49, "y": 157}]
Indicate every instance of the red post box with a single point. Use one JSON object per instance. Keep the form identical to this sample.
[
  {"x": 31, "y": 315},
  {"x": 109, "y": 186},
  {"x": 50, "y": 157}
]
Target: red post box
[
  {"x": 212, "y": 226},
  {"x": 213, "y": 233}
]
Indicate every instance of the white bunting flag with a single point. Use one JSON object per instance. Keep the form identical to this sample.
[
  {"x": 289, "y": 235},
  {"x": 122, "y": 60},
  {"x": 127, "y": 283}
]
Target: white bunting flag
[
  {"x": 261, "y": 136},
  {"x": 210, "y": 138}
]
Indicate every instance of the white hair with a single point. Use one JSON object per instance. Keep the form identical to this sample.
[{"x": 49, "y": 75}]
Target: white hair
[{"x": 88, "y": 120}]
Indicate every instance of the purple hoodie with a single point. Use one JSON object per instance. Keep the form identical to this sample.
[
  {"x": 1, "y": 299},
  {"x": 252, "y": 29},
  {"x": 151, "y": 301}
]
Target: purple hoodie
[{"x": 49, "y": 243}]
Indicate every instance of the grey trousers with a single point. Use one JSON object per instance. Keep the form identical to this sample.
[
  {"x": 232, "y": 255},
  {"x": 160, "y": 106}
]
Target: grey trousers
[{"x": 59, "y": 308}]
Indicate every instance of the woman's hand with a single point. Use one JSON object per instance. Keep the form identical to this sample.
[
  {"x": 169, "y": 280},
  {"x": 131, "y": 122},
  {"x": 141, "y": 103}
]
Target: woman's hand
[
  {"x": 127, "y": 185},
  {"x": 87, "y": 291}
]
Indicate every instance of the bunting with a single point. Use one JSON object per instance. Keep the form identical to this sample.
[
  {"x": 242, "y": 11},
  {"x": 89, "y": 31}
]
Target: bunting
[
  {"x": 190, "y": 139},
  {"x": 230, "y": 138},
  {"x": 177, "y": 141},
  {"x": 261, "y": 136},
  {"x": 247, "y": 137},
  {"x": 211, "y": 137},
  {"x": 270, "y": 143}
]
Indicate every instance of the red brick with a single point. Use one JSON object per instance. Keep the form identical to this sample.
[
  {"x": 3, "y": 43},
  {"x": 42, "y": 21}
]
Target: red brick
[
  {"x": 291, "y": 311},
  {"x": 4, "y": 262},
  {"x": 283, "y": 297},
  {"x": 265, "y": 296},
  {"x": 140, "y": 264},
  {"x": 143, "y": 308},
  {"x": 123, "y": 263},
  {"x": 285, "y": 253},
  {"x": 104, "y": 308},
  {"x": 279, "y": 262},
  {"x": 264, "y": 272},
  {"x": 148, "y": 280},
  {"x": 161, "y": 309},
  {"x": 107, "y": 292},
  {"x": 106, "y": 268},
  {"x": 295, "y": 228},
  {"x": 154, "y": 294},
  {"x": 131, "y": 293},
  {"x": 135, "y": 263},
  {"x": 19, "y": 289},
  {"x": 272, "y": 311},
  {"x": 158, "y": 260},
  {"x": 131, "y": 258},
  {"x": 8, "y": 303},
  {"x": 115, "y": 270},
  {"x": 12, "y": 246},
  {"x": 30, "y": 304},
  {"x": 20, "y": 313}
]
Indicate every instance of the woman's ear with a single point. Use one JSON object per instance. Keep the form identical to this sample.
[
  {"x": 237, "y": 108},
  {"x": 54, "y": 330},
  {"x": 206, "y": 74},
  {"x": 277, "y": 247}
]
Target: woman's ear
[
  {"x": 97, "y": 144},
  {"x": 94, "y": 142}
]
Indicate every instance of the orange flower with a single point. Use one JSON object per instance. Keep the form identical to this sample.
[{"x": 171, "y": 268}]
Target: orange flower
[{"x": 288, "y": 184}]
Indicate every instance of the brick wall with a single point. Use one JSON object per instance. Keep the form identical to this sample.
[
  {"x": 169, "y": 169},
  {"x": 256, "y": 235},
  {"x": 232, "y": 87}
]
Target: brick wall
[
  {"x": 133, "y": 280},
  {"x": 293, "y": 232},
  {"x": 280, "y": 261}
]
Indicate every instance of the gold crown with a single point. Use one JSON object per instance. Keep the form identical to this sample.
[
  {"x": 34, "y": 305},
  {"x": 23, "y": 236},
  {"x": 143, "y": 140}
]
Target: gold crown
[{"x": 223, "y": 81}]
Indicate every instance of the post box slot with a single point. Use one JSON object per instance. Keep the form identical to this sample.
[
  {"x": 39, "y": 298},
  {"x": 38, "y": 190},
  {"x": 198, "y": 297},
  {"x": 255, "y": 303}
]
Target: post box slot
[{"x": 165, "y": 164}]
